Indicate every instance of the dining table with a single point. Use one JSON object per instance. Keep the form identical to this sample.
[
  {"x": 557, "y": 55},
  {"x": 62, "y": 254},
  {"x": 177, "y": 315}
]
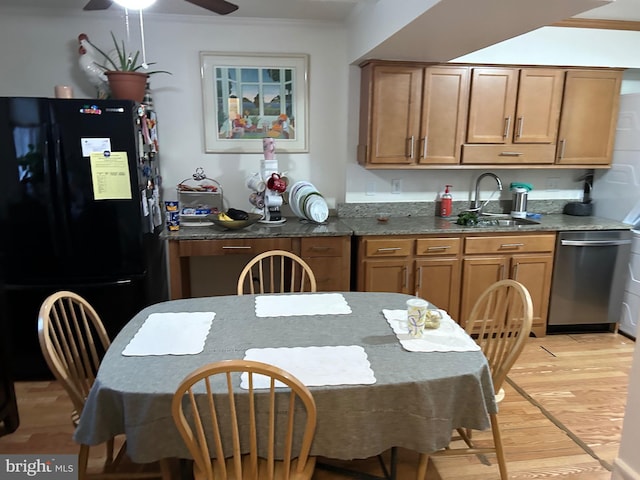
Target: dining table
[{"x": 408, "y": 394}]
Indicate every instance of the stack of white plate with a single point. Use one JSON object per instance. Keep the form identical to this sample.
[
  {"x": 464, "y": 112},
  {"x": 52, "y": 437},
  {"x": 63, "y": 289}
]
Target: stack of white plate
[{"x": 307, "y": 203}]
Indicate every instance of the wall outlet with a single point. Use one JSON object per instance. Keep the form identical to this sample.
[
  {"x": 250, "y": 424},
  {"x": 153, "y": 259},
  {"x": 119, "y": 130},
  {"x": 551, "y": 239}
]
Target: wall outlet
[
  {"x": 553, "y": 183},
  {"x": 396, "y": 185},
  {"x": 370, "y": 188}
]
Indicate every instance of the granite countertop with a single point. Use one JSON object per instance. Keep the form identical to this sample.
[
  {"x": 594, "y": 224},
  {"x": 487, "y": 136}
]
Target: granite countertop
[
  {"x": 293, "y": 227},
  {"x": 411, "y": 225},
  {"x": 396, "y": 225}
]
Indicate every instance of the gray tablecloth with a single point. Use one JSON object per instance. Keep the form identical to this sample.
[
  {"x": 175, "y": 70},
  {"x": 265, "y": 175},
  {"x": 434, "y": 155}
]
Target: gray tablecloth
[{"x": 416, "y": 402}]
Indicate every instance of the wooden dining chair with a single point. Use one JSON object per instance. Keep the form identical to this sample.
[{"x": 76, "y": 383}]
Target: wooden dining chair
[
  {"x": 250, "y": 433},
  {"x": 500, "y": 321},
  {"x": 276, "y": 271},
  {"x": 73, "y": 341}
]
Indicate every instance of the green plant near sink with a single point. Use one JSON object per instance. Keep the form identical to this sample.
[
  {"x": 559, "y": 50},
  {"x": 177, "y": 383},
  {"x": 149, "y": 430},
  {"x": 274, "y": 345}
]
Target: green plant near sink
[{"x": 468, "y": 219}]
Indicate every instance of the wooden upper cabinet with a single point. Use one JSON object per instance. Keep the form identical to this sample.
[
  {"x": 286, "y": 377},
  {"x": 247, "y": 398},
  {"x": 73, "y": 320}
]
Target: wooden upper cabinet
[
  {"x": 538, "y": 108},
  {"x": 412, "y": 115},
  {"x": 444, "y": 110},
  {"x": 390, "y": 125},
  {"x": 510, "y": 105},
  {"x": 589, "y": 117},
  {"x": 492, "y": 104}
]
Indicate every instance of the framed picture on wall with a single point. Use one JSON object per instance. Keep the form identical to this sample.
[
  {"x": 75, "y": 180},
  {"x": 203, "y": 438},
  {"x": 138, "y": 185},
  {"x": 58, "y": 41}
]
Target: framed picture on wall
[{"x": 249, "y": 96}]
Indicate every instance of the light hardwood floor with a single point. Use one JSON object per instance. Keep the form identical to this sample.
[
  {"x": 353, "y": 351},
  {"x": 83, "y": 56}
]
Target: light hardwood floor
[{"x": 561, "y": 418}]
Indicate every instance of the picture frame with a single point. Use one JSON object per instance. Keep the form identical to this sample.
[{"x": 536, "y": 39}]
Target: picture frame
[{"x": 242, "y": 101}]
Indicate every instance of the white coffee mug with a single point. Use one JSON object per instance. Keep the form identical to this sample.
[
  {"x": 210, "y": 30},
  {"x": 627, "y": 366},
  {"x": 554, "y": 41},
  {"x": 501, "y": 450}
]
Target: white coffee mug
[
  {"x": 255, "y": 183},
  {"x": 271, "y": 200}
]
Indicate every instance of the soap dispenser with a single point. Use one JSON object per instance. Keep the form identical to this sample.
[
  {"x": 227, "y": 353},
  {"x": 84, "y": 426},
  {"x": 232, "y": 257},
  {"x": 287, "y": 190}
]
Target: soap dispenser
[{"x": 446, "y": 202}]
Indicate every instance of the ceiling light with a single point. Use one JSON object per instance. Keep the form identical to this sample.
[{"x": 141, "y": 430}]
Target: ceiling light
[{"x": 135, "y": 4}]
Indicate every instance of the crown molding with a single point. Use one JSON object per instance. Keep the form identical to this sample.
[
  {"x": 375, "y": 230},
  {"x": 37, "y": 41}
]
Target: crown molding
[{"x": 598, "y": 23}]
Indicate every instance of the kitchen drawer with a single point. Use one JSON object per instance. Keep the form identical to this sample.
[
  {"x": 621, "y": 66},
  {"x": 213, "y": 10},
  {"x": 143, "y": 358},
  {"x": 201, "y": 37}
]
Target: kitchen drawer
[
  {"x": 438, "y": 246},
  {"x": 508, "y": 154},
  {"x": 322, "y": 246},
  {"x": 253, "y": 246},
  {"x": 388, "y": 247},
  {"x": 510, "y": 244}
]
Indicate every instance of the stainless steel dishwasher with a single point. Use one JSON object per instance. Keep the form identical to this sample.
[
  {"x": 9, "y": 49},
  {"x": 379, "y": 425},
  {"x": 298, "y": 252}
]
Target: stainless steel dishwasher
[{"x": 589, "y": 275}]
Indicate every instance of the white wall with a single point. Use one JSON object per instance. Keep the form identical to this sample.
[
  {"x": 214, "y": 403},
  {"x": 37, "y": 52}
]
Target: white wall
[
  {"x": 49, "y": 43},
  {"x": 42, "y": 52}
]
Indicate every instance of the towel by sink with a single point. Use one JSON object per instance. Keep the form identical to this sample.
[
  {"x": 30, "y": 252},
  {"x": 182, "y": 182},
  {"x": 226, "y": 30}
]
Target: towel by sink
[
  {"x": 449, "y": 337},
  {"x": 314, "y": 366},
  {"x": 301, "y": 304},
  {"x": 179, "y": 333}
]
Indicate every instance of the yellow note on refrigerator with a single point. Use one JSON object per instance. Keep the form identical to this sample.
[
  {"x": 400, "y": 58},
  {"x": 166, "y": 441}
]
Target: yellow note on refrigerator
[{"x": 110, "y": 175}]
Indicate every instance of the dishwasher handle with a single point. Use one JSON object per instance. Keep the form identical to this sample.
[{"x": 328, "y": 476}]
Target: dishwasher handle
[{"x": 594, "y": 243}]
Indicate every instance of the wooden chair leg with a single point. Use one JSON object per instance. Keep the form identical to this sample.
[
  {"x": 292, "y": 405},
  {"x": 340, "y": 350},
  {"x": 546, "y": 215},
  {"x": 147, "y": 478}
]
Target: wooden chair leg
[
  {"x": 422, "y": 466},
  {"x": 83, "y": 459},
  {"x": 166, "y": 468},
  {"x": 497, "y": 440}
]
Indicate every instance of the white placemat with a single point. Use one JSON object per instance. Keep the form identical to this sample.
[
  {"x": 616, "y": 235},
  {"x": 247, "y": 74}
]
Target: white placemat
[
  {"x": 179, "y": 333},
  {"x": 303, "y": 304},
  {"x": 315, "y": 366},
  {"x": 449, "y": 337}
]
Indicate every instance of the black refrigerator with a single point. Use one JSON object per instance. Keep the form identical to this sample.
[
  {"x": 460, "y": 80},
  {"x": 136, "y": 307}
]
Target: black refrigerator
[{"x": 80, "y": 211}]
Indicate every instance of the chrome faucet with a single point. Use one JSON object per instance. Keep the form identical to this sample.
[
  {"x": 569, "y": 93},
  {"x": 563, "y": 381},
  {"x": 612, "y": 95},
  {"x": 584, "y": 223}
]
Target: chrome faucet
[{"x": 475, "y": 204}]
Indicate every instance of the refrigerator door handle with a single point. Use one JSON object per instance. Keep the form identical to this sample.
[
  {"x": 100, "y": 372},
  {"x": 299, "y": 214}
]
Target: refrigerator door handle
[
  {"x": 50, "y": 176},
  {"x": 60, "y": 203}
]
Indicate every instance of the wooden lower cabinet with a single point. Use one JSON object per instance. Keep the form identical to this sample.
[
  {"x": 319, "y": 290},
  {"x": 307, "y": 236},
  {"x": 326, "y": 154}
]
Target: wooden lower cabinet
[
  {"x": 328, "y": 257},
  {"x": 527, "y": 259},
  {"x": 438, "y": 272},
  {"x": 330, "y": 260},
  {"x": 439, "y": 281},
  {"x": 384, "y": 264},
  {"x": 426, "y": 266},
  {"x": 386, "y": 276},
  {"x": 452, "y": 272}
]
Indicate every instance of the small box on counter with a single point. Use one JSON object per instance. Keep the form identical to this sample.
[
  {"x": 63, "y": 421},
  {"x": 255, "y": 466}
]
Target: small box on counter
[{"x": 172, "y": 211}]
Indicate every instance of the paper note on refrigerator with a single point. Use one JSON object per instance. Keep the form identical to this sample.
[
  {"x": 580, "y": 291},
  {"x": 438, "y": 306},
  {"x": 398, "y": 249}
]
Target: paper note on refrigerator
[
  {"x": 110, "y": 176},
  {"x": 90, "y": 145}
]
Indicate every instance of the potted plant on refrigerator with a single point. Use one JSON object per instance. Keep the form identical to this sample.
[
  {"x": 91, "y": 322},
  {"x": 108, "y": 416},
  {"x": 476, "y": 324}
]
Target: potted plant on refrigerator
[{"x": 125, "y": 72}]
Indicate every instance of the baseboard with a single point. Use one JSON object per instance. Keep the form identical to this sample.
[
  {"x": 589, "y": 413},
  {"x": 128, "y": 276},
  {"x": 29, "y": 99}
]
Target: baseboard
[{"x": 622, "y": 471}]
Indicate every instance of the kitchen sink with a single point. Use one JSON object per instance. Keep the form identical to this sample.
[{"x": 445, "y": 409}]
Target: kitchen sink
[
  {"x": 504, "y": 222},
  {"x": 501, "y": 220}
]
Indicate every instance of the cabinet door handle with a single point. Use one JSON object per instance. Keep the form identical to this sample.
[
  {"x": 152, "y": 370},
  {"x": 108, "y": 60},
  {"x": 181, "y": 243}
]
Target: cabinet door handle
[
  {"x": 514, "y": 274},
  {"x": 320, "y": 248},
  {"x": 236, "y": 247},
  {"x": 443, "y": 247},
  {"x": 419, "y": 287},
  {"x": 424, "y": 147},
  {"x": 519, "y": 129},
  {"x": 563, "y": 142},
  {"x": 389, "y": 249},
  {"x": 510, "y": 154},
  {"x": 406, "y": 277},
  {"x": 507, "y": 126},
  {"x": 412, "y": 142},
  {"x": 511, "y": 245}
]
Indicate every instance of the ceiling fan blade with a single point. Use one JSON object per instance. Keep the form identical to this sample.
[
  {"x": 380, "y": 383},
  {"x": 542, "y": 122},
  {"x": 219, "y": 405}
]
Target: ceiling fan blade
[
  {"x": 98, "y": 5},
  {"x": 221, "y": 7}
]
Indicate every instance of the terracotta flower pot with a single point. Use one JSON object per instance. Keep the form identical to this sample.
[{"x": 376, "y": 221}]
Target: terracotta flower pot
[{"x": 127, "y": 85}]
